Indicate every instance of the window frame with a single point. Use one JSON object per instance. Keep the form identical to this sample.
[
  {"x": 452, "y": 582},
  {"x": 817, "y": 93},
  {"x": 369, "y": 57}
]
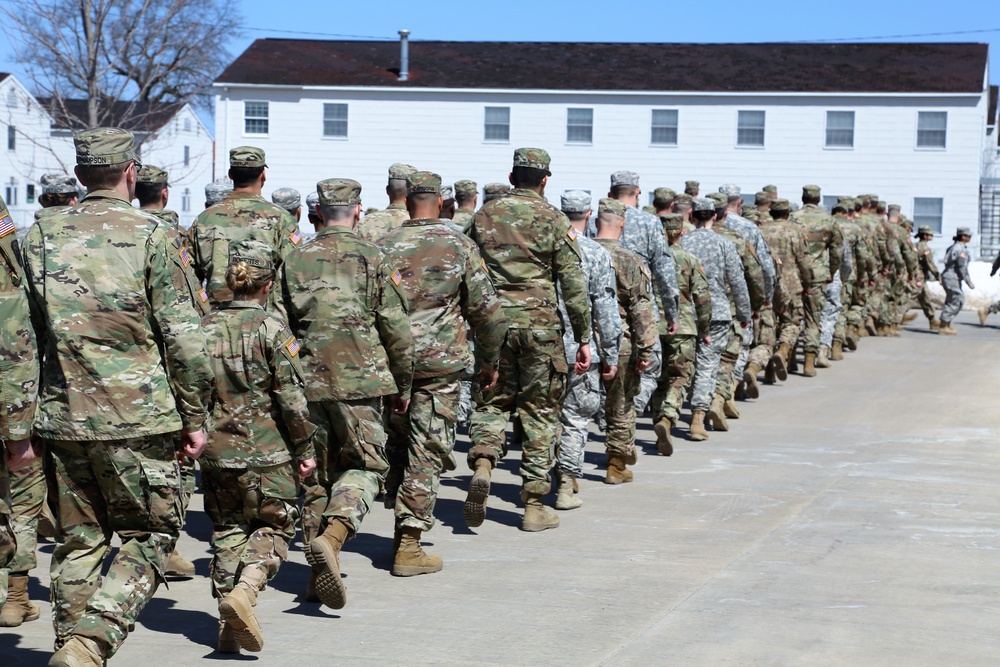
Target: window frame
[
  {"x": 11, "y": 138},
  {"x": 921, "y": 218},
  {"x": 346, "y": 120},
  {"x": 266, "y": 118},
  {"x": 653, "y": 127},
  {"x": 925, "y": 147},
  {"x": 828, "y": 129},
  {"x": 487, "y": 124},
  {"x": 569, "y": 125},
  {"x": 763, "y": 129},
  {"x": 187, "y": 156}
]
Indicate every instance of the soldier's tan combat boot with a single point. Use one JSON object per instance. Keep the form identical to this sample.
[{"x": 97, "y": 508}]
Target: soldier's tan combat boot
[
  {"x": 324, "y": 556},
  {"x": 851, "y": 336},
  {"x": 698, "y": 431},
  {"x": 411, "y": 559},
  {"x": 227, "y": 642},
  {"x": 870, "y": 327},
  {"x": 730, "y": 409},
  {"x": 618, "y": 472},
  {"x": 178, "y": 566},
  {"x": 909, "y": 317},
  {"x": 769, "y": 375},
  {"x": 837, "y": 352},
  {"x": 823, "y": 358},
  {"x": 474, "y": 509},
  {"x": 809, "y": 370},
  {"x": 717, "y": 415},
  {"x": 947, "y": 330},
  {"x": 565, "y": 496},
  {"x": 237, "y": 609},
  {"x": 780, "y": 360},
  {"x": 983, "y": 312},
  {"x": 750, "y": 379},
  {"x": 79, "y": 652},
  {"x": 664, "y": 443},
  {"x": 935, "y": 324},
  {"x": 536, "y": 515},
  {"x": 18, "y": 609}
]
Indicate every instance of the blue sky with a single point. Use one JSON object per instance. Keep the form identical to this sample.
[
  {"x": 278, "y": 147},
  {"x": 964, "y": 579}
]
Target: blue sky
[{"x": 636, "y": 21}]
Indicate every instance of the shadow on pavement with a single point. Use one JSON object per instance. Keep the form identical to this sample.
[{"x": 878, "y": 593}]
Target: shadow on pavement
[
  {"x": 197, "y": 626},
  {"x": 20, "y": 657}
]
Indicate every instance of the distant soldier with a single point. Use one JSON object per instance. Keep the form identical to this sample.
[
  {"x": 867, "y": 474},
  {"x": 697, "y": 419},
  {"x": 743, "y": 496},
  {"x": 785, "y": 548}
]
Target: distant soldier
[
  {"x": 493, "y": 191},
  {"x": 99, "y": 277},
  {"x": 691, "y": 188},
  {"x": 312, "y": 201},
  {"x": 376, "y": 225},
  {"x": 216, "y": 191},
  {"x": 348, "y": 312},
  {"x": 243, "y": 214},
  {"x": 290, "y": 200},
  {"x": 527, "y": 245},
  {"x": 787, "y": 243},
  {"x": 762, "y": 200},
  {"x": 447, "y": 202},
  {"x": 466, "y": 197},
  {"x": 583, "y": 392},
  {"x": 956, "y": 271},
  {"x": 447, "y": 287},
  {"x": 635, "y": 306},
  {"x": 771, "y": 190},
  {"x": 58, "y": 190}
]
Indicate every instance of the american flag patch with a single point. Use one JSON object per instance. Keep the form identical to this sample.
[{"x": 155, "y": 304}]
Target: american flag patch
[
  {"x": 204, "y": 295},
  {"x": 396, "y": 277},
  {"x": 572, "y": 233},
  {"x": 6, "y": 226},
  {"x": 293, "y": 347},
  {"x": 185, "y": 257},
  {"x": 296, "y": 237}
]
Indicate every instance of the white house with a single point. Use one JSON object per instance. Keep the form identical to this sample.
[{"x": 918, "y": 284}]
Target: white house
[
  {"x": 904, "y": 121},
  {"x": 989, "y": 226},
  {"x": 39, "y": 139}
]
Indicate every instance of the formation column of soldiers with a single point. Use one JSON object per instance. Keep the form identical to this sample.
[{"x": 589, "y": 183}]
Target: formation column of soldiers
[{"x": 310, "y": 379}]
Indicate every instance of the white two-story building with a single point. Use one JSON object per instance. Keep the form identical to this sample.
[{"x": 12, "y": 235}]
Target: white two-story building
[{"x": 904, "y": 121}]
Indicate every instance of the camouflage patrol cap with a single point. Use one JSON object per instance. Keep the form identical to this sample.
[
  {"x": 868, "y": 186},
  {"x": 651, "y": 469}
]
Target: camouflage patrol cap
[
  {"x": 312, "y": 199},
  {"x": 247, "y": 156},
  {"x": 57, "y": 184},
  {"x": 690, "y": 186},
  {"x": 493, "y": 191},
  {"x": 683, "y": 198},
  {"x": 649, "y": 208},
  {"x": 664, "y": 193},
  {"x": 865, "y": 200},
  {"x": 672, "y": 222},
  {"x": 104, "y": 145},
  {"x": 906, "y": 222},
  {"x": 762, "y": 198},
  {"x": 779, "y": 205},
  {"x": 702, "y": 204},
  {"x": 423, "y": 182},
  {"x": 963, "y": 231},
  {"x": 730, "y": 190},
  {"x": 811, "y": 191},
  {"x": 287, "y": 198},
  {"x": 400, "y": 171},
  {"x": 770, "y": 189},
  {"x": 873, "y": 199},
  {"x": 533, "y": 158},
  {"x": 339, "y": 192},
  {"x": 894, "y": 208},
  {"x": 624, "y": 178},
  {"x": 151, "y": 174},
  {"x": 574, "y": 201},
  {"x": 466, "y": 188},
  {"x": 752, "y": 214},
  {"x": 252, "y": 252},
  {"x": 924, "y": 229},
  {"x": 611, "y": 206},
  {"x": 447, "y": 192},
  {"x": 216, "y": 191},
  {"x": 721, "y": 200}
]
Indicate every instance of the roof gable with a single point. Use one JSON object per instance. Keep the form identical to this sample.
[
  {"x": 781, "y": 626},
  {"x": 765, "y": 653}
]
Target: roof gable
[{"x": 135, "y": 116}]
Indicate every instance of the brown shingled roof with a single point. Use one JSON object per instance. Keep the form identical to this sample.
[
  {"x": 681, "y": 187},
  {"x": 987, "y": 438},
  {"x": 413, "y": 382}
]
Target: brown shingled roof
[
  {"x": 4, "y": 75},
  {"x": 135, "y": 116},
  {"x": 783, "y": 67}
]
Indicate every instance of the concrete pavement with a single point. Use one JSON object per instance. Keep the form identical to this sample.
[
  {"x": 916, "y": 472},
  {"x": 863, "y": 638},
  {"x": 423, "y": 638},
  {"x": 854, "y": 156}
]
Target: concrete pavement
[{"x": 847, "y": 519}]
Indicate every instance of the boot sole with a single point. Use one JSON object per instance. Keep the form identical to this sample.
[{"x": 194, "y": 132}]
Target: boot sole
[
  {"x": 780, "y": 370},
  {"x": 663, "y": 442},
  {"x": 414, "y": 570},
  {"x": 248, "y": 638},
  {"x": 329, "y": 586},
  {"x": 474, "y": 510}
]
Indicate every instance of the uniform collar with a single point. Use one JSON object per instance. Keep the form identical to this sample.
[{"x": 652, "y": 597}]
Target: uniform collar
[
  {"x": 245, "y": 304},
  {"x": 524, "y": 192},
  {"x": 395, "y": 207},
  {"x": 326, "y": 231},
  {"x": 106, "y": 194},
  {"x": 417, "y": 222}
]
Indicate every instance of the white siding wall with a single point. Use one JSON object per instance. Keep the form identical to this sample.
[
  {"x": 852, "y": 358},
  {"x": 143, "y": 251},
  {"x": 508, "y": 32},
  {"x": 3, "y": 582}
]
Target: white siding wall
[{"x": 443, "y": 132}]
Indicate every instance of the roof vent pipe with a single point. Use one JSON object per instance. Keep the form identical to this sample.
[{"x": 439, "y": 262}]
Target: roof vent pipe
[{"x": 404, "y": 55}]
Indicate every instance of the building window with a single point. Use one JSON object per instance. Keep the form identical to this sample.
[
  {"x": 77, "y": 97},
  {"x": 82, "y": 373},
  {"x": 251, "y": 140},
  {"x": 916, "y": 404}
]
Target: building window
[
  {"x": 580, "y": 126},
  {"x": 255, "y": 118},
  {"x": 840, "y": 129},
  {"x": 335, "y": 120},
  {"x": 11, "y": 192},
  {"x": 187, "y": 124},
  {"x": 928, "y": 211},
  {"x": 932, "y": 129},
  {"x": 12, "y": 99},
  {"x": 750, "y": 128},
  {"x": 496, "y": 126},
  {"x": 187, "y": 156},
  {"x": 11, "y": 138},
  {"x": 664, "y": 130},
  {"x": 186, "y": 200},
  {"x": 31, "y": 193},
  {"x": 829, "y": 202}
]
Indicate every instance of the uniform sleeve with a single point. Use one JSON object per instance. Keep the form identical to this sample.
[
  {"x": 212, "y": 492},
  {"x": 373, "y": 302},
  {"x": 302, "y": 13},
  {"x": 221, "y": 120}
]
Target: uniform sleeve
[
  {"x": 847, "y": 264},
  {"x": 766, "y": 264},
  {"x": 642, "y": 316},
  {"x": 836, "y": 249},
  {"x": 393, "y": 325},
  {"x": 962, "y": 262},
  {"x": 909, "y": 255},
  {"x": 568, "y": 269},
  {"x": 287, "y": 386},
  {"x": 32, "y": 264},
  {"x": 183, "y": 275},
  {"x": 701, "y": 295},
  {"x": 754, "y": 276},
  {"x": 932, "y": 267},
  {"x": 604, "y": 307},
  {"x": 18, "y": 354},
  {"x": 661, "y": 265},
  {"x": 188, "y": 365},
  {"x": 737, "y": 283},
  {"x": 202, "y": 249},
  {"x": 481, "y": 308}
]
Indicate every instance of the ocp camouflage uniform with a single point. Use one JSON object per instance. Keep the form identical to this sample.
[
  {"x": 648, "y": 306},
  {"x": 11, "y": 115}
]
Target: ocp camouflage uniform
[
  {"x": 376, "y": 225},
  {"x": 905, "y": 285},
  {"x": 929, "y": 272},
  {"x": 463, "y": 218},
  {"x": 125, "y": 369},
  {"x": 956, "y": 270},
  {"x": 186, "y": 279},
  {"x": 823, "y": 244},
  {"x": 894, "y": 267},
  {"x": 260, "y": 428},
  {"x": 760, "y": 340},
  {"x": 739, "y": 338},
  {"x": 787, "y": 241},
  {"x": 855, "y": 287},
  {"x": 583, "y": 392},
  {"x": 446, "y": 286}
]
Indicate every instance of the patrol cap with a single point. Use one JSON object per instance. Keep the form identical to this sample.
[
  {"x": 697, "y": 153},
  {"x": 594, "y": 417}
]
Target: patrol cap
[
  {"x": 753, "y": 215},
  {"x": 247, "y": 156},
  {"x": 924, "y": 229},
  {"x": 574, "y": 201},
  {"x": 894, "y": 208},
  {"x": 811, "y": 191},
  {"x": 906, "y": 222},
  {"x": 533, "y": 158},
  {"x": 664, "y": 193},
  {"x": 312, "y": 199},
  {"x": 873, "y": 198},
  {"x": 57, "y": 184},
  {"x": 702, "y": 204},
  {"x": 612, "y": 206},
  {"x": 339, "y": 192},
  {"x": 683, "y": 198},
  {"x": 690, "y": 186},
  {"x": 721, "y": 200},
  {"x": 865, "y": 200},
  {"x": 762, "y": 198},
  {"x": 252, "y": 252},
  {"x": 400, "y": 171},
  {"x": 216, "y": 191},
  {"x": 770, "y": 189},
  {"x": 624, "y": 178},
  {"x": 287, "y": 198},
  {"x": 423, "y": 182},
  {"x": 649, "y": 208},
  {"x": 447, "y": 192},
  {"x": 494, "y": 191},
  {"x": 963, "y": 231},
  {"x": 779, "y": 205},
  {"x": 672, "y": 222},
  {"x": 730, "y": 190},
  {"x": 466, "y": 188},
  {"x": 151, "y": 174},
  {"x": 104, "y": 145}
]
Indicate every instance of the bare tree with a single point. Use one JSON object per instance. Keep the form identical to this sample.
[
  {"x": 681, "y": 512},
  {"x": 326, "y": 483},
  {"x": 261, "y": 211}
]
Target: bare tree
[{"x": 106, "y": 51}]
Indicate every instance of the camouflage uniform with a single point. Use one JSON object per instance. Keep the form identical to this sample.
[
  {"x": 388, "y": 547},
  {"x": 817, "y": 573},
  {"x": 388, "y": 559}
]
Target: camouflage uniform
[
  {"x": 375, "y": 225},
  {"x": 823, "y": 248},
  {"x": 527, "y": 245},
  {"x": 347, "y": 308},
  {"x": 260, "y": 426},
  {"x": 758, "y": 342},
  {"x": 446, "y": 286},
  {"x": 834, "y": 305},
  {"x": 124, "y": 369},
  {"x": 787, "y": 242},
  {"x": 855, "y": 288},
  {"x": 929, "y": 272},
  {"x": 956, "y": 271}
]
